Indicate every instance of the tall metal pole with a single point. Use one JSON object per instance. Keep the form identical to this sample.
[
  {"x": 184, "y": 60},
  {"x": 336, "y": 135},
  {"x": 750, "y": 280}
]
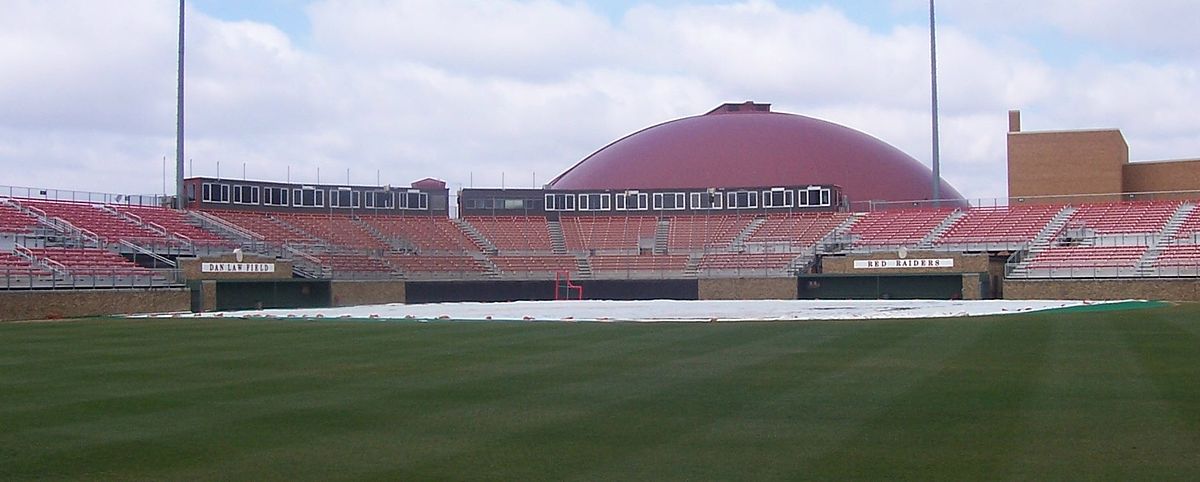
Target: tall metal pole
[
  {"x": 180, "y": 201},
  {"x": 937, "y": 168}
]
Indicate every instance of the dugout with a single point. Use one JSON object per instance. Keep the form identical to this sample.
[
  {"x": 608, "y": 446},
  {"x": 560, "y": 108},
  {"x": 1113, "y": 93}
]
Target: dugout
[
  {"x": 890, "y": 286},
  {"x": 250, "y": 295},
  {"x": 530, "y": 290}
]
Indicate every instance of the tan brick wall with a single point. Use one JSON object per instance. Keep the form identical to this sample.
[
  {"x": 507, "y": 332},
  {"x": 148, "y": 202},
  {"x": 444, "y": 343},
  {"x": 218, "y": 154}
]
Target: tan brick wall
[
  {"x": 191, "y": 268},
  {"x": 42, "y": 305},
  {"x": 963, "y": 263},
  {"x": 972, "y": 286},
  {"x": 1103, "y": 289},
  {"x": 353, "y": 293},
  {"x": 1065, "y": 163},
  {"x": 748, "y": 289},
  {"x": 208, "y": 295},
  {"x": 1163, "y": 176}
]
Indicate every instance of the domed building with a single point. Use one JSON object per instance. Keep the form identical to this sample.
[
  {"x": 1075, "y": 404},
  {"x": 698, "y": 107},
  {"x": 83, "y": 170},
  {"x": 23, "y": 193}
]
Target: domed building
[{"x": 748, "y": 145}]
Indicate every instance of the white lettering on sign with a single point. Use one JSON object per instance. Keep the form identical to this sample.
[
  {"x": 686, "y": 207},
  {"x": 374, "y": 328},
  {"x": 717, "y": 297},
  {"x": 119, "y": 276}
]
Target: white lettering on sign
[
  {"x": 903, "y": 263},
  {"x": 237, "y": 267}
]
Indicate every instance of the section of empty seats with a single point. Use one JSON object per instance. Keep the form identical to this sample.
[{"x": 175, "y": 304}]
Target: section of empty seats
[
  {"x": 90, "y": 261},
  {"x": 427, "y": 234},
  {"x": 514, "y": 233},
  {"x": 266, "y": 226},
  {"x": 540, "y": 265},
  {"x": 1190, "y": 226},
  {"x": 449, "y": 265},
  {"x": 354, "y": 263},
  {"x": 1179, "y": 255},
  {"x": 896, "y": 227},
  {"x": 1088, "y": 257},
  {"x": 692, "y": 233},
  {"x": 335, "y": 229},
  {"x": 175, "y": 222},
  {"x": 607, "y": 233},
  {"x": 796, "y": 229},
  {"x": 1124, "y": 217},
  {"x": 1012, "y": 224},
  {"x": 105, "y": 224},
  {"x": 647, "y": 262},
  {"x": 10, "y": 263},
  {"x": 12, "y": 220},
  {"x": 746, "y": 261}
]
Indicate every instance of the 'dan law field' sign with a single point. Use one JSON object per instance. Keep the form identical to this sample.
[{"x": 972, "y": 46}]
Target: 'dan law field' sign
[
  {"x": 237, "y": 267},
  {"x": 903, "y": 263}
]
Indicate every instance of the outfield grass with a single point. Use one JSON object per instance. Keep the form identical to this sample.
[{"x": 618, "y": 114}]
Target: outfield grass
[{"x": 1113, "y": 395}]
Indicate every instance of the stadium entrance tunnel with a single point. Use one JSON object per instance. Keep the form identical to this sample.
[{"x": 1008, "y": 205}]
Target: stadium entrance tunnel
[{"x": 897, "y": 287}]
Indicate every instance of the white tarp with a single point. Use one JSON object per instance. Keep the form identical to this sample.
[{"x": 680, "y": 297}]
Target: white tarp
[{"x": 668, "y": 310}]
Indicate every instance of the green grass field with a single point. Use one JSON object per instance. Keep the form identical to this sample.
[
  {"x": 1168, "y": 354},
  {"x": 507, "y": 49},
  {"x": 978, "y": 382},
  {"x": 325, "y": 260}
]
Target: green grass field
[{"x": 1112, "y": 395}]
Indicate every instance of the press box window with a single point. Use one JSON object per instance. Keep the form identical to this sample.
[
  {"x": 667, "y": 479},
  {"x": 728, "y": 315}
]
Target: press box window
[
  {"x": 669, "y": 201},
  {"x": 594, "y": 202},
  {"x": 742, "y": 199},
  {"x": 308, "y": 197},
  {"x": 245, "y": 195},
  {"x": 214, "y": 193},
  {"x": 560, "y": 202},
  {"x": 706, "y": 200},
  {"x": 275, "y": 196},
  {"x": 777, "y": 198},
  {"x": 414, "y": 200},
  {"x": 380, "y": 199},
  {"x": 343, "y": 198}
]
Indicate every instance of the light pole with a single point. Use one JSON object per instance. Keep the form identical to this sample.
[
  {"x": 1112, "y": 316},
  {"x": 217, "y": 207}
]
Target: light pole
[
  {"x": 180, "y": 202},
  {"x": 937, "y": 171}
]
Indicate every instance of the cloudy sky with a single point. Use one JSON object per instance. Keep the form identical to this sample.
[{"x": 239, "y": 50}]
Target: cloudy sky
[{"x": 480, "y": 91}]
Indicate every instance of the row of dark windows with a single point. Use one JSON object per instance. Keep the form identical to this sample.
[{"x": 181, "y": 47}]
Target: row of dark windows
[
  {"x": 707, "y": 200},
  {"x": 310, "y": 197}
]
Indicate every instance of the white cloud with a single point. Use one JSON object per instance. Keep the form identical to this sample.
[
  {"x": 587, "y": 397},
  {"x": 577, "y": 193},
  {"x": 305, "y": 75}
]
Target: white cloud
[{"x": 474, "y": 89}]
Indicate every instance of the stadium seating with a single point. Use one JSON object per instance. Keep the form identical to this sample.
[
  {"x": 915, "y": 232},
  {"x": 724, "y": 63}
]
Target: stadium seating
[
  {"x": 1179, "y": 255},
  {"x": 90, "y": 261},
  {"x": 10, "y": 263},
  {"x": 339, "y": 230},
  {"x": 265, "y": 225},
  {"x": 797, "y": 229},
  {"x": 1190, "y": 225},
  {"x": 704, "y": 232},
  {"x": 745, "y": 261},
  {"x": 12, "y": 220},
  {"x": 426, "y": 234},
  {"x": 514, "y": 233},
  {"x": 175, "y": 222},
  {"x": 104, "y": 224},
  {"x": 657, "y": 263},
  {"x": 425, "y": 264},
  {"x": 535, "y": 265},
  {"x": 1013, "y": 224},
  {"x": 354, "y": 263},
  {"x": 897, "y": 227},
  {"x": 607, "y": 233},
  {"x": 1137, "y": 217},
  {"x": 1088, "y": 260}
]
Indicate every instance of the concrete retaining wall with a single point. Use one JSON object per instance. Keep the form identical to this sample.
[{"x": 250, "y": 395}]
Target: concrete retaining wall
[{"x": 43, "y": 305}]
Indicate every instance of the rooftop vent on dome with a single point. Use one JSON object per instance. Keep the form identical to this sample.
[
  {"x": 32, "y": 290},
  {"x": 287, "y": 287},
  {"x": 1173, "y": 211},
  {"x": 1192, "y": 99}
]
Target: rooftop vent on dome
[{"x": 744, "y": 107}]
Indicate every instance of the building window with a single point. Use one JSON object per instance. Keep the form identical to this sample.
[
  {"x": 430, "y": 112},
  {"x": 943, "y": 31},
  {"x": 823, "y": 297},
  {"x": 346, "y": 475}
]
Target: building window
[
  {"x": 778, "y": 198},
  {"x": 245, "y": 195},
  {"x": 380, "y": 199},
  {"x": 560, "y": 202},
  {"x": 275, "y": 196},
  {"x": 344, "y": 198},
  {"x": 815, "y": 196},
  {"x": 742, "y": 199},
  {"x": 308, "y": 197},
  {"x": 706, "y": 200},
  {"x": 414, "y": 200},
  {"x": 594, "y": 202},
  {"x": 214, "y": 193},
  {"x": 669, "y": 201}
]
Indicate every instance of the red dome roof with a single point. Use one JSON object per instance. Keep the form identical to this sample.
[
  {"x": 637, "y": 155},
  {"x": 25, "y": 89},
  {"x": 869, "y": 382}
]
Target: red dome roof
[{"x": 747, "y": 145}]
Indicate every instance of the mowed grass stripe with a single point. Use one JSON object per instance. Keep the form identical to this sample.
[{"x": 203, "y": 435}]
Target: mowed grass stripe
[
  {"x": 255, "y": 399},
  {"x": 1140, "y": 437},
  {"x": 832, "y": 396}
]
